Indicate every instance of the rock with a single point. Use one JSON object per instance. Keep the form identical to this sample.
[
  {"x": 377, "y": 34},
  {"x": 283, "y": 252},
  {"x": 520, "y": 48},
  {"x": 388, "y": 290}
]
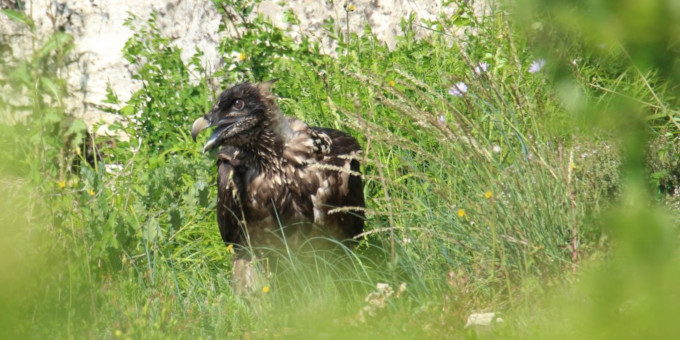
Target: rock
[
  {"x": 482, "y": 319},
  {"x": 99, "y": 34}
]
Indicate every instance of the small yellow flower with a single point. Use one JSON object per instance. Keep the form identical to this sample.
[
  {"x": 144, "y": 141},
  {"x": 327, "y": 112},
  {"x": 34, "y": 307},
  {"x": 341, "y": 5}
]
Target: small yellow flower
[
  {"x": 62, "y": 184},
  {"x": 118, "y": 333},
  {"x": 351, "y": 8},
  {"x": 488, "y": 194},
  {"x": 572, "y": 165},
  {"x": 241, "y": 57},
  {"x": 230, "y": 249},
  {"x": 265, "y": 289},
  {"x": 461, "y": 213},
  {"x": 90, "y": 192},
  {"x": 391, "y": 83}
]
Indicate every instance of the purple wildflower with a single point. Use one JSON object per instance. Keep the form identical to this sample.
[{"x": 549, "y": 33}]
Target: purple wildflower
[
  {"x": 458, "y": 89},
  {"x": 536, "y": 65},
  {"x": 481, "y": 68}
]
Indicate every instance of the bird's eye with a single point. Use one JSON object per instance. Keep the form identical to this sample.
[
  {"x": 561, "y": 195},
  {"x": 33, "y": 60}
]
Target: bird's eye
[{"x": 238, "y": 104}]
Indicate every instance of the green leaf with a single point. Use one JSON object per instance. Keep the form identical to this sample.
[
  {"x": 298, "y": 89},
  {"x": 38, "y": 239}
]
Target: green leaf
[
  {"x": 22, "y": 74},
  {"x": 20, "y": 18},
  {"x": 52, "y": 87},
  {"x": 152, "y": 231},
  {"x": 56, "y": 42},
  {"x": 127, "y": 110},
  {"x": 52, "y": 117},
  {"x": 35, "y": 138},
  {"x": 77, "y": 126}
]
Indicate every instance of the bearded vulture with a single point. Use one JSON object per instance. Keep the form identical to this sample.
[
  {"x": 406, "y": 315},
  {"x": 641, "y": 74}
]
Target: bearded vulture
[{"x": 280, "y": 182}]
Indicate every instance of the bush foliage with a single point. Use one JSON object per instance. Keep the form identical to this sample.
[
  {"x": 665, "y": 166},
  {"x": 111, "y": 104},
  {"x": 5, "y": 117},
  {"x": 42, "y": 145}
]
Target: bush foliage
[{"x": 488, "y": 165}]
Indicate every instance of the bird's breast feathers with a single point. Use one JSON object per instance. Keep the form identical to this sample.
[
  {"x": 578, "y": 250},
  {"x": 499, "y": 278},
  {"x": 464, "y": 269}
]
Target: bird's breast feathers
[{"x": 300, "y": 183}]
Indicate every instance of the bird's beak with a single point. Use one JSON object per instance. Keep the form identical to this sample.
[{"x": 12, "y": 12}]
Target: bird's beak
[
  {"x": 221, "y": 125},
  {"x": 200, "y": 124}
]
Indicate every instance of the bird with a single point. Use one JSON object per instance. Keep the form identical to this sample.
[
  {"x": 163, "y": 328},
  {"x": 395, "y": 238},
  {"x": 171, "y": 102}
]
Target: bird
[{"x": 280, "y": 182}]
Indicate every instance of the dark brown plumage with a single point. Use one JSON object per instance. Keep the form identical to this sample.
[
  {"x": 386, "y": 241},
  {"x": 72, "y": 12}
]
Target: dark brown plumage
[{"x": 277, "y": 177}]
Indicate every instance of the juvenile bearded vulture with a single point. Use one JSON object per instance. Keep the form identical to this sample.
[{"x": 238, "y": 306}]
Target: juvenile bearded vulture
[{"x": 279, "y": 179}]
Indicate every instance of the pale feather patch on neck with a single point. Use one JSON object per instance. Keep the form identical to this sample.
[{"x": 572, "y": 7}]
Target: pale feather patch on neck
[{"x": 281, "y": 127}]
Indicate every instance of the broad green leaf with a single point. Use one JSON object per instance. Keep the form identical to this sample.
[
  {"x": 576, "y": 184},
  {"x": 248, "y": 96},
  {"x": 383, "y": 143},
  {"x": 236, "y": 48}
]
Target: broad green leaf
[{"x": 127, "y": 110}]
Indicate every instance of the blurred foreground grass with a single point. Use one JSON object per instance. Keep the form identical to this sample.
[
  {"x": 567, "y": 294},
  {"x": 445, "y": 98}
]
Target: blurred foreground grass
[{"x": 526, "y": 172}]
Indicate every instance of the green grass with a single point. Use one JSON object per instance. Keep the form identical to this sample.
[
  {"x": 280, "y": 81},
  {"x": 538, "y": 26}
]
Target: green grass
[{"x": 534, "y": 195}]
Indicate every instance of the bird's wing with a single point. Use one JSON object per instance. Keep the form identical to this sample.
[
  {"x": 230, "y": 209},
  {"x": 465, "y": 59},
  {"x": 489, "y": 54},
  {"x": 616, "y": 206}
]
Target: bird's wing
[
  {"x": 339, "y": 201},
  {"x": 322, "y": 166},
  {"x": 229, "y": 209},
  {"x": 305, "y": 145}
]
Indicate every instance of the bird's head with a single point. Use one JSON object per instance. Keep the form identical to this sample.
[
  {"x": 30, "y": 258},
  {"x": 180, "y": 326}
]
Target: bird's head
[{"x": 240, "y": 114}]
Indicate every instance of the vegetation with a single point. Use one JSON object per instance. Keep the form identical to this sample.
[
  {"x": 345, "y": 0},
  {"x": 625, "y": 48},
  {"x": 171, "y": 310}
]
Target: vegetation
[{"x": 531, "y": 171}]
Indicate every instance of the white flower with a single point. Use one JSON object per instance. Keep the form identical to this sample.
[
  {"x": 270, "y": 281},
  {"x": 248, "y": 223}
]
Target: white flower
[
  {"x": 481, "y": 68},
  {"x": 458, "y": 89},
  {"x": 442, "y": 120},
  {"x": 113, "y": 168},
  {"x": 382, "y": 286},
  {"x": 536, "y": 65},
  {"x": 496, "y": 149}
]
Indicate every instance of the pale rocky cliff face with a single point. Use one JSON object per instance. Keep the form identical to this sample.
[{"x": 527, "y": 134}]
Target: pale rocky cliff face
[{"x": 99, "y": 34}]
